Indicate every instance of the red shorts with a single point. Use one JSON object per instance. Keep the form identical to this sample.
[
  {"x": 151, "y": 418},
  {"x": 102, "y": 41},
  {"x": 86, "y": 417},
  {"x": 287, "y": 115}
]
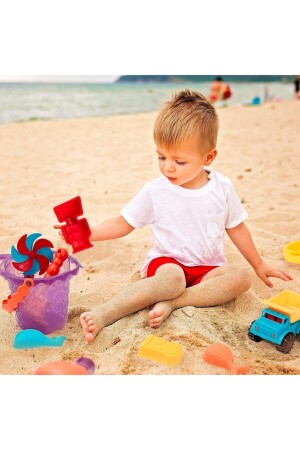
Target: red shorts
[{"x": 193, "y": 275}]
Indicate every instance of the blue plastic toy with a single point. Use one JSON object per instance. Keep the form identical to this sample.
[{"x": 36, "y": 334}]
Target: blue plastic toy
[
  {"x": 280, "y": 322},
  {"x": 33, "y": 338},
  {"x": 256, "y": 101}
]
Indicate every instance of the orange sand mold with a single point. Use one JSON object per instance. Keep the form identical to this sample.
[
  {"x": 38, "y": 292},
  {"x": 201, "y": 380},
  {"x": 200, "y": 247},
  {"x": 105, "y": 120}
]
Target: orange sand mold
[{"x": 220, "y": 355}]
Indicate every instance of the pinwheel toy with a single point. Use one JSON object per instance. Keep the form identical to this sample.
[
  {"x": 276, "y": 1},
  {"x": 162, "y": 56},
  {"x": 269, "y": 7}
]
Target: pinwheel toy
[{"x": 32, "y": 255}]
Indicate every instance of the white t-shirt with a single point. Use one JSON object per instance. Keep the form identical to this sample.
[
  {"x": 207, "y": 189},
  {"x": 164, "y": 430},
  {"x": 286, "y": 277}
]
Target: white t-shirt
[{"x": 187, "y": 224}]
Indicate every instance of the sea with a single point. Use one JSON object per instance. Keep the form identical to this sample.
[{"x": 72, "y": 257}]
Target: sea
[{"x": 43, "y": 101}]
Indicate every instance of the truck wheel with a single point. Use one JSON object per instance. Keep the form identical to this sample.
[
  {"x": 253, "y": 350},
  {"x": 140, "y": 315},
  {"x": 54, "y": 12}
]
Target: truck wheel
[
  {"x": 286, "y": 344},
  {"x": 252, "y": 336}
]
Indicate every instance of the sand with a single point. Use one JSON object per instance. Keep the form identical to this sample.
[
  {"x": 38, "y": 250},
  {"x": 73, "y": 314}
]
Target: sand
[{"x": 106, "y": 161}]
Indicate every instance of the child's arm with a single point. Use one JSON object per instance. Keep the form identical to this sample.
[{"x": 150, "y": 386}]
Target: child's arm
[
  {"x": 110, "y": 229},
  {"x": 241, "y": 237}
]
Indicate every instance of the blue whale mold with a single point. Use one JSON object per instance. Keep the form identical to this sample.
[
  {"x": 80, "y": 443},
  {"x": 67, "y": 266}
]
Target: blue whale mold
[{"x": 33, "y": 338}]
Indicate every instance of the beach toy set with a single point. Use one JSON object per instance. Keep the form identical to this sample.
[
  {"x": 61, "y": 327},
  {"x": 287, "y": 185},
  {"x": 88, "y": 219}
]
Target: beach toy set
[
  {"x": 39, "y": 282},
  {"x": 170, "y": 354},
  {"x": 39, "y": 301},
  {"x": 39, "y": 278}
]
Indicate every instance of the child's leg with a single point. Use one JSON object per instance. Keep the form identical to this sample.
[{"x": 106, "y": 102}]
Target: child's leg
[
  {"x": 168, "y": 282},
  {"x": 217, "y": 287}
]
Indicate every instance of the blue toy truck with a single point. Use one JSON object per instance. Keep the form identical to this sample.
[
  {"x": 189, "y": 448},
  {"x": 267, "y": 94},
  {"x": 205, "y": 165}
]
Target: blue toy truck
[{"x": 280, "y": 322}]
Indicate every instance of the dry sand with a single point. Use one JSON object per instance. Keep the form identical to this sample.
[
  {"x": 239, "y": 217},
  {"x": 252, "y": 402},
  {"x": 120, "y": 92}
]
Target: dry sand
[{"x": 106, "y": 161}]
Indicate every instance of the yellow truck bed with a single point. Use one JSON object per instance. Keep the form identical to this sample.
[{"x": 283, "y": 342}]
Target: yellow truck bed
[{"x": 286, "y": 302}]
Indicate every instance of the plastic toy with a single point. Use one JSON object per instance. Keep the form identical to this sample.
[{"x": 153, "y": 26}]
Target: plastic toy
[
  {"x": 280, "y": 322},
  {"x": 75, "y": 232},
  {"x": 161, "y": 350},
  {"x": 221, "y": 355},
  {"x": 34, "y": 338},
  {"x": 32, "y": 257},
  {"x": 82, "y": 366},
  {"x": 291, "y": 252},
  {"x": 29, "y": 258},
  {"x": 256, "y": 101},
  {"x": 45, "y": 307},
  {"x": 60, "y": 256},
  {"x": 12, "y": 301}
]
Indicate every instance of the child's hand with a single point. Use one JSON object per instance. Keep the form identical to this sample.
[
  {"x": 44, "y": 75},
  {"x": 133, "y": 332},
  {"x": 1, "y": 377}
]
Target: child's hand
[
  {"x": 58, "y": 227},
  {"x": 264, "y": 272}
]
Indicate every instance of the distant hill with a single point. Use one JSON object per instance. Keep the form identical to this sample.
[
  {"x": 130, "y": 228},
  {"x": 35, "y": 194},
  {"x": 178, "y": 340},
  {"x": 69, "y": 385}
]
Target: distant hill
[{"x": 201, "y": 78}]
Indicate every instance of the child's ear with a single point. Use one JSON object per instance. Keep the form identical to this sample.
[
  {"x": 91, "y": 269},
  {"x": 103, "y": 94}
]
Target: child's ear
[{"x": 210, "y": 156}]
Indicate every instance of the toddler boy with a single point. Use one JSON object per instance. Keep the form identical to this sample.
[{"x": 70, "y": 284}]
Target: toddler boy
[{"x": 188, "y": 209}]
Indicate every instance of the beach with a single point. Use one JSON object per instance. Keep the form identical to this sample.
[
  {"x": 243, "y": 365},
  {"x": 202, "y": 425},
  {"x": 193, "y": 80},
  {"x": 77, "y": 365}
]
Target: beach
[{"x": 106, "y": 160}]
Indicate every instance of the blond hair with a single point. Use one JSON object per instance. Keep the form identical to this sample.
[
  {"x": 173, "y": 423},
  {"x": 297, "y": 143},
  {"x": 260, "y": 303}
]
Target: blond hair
[{"x": 188, "y": 115}]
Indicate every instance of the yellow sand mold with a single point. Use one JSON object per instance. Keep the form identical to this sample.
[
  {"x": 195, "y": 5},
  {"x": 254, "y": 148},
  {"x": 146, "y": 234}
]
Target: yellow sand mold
[
  {"x": 161, "y": 350},
  {"x": 291, "y": 252},
  {"x": 286, "y": 302}
]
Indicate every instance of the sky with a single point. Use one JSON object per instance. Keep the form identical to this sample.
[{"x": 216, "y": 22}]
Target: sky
[{"x": 61, "y": 78}]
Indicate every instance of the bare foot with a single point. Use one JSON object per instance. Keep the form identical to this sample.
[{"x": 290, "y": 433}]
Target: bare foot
[
  {"x": 90, "y": 330},
  {"x": 159, "y": 313}
]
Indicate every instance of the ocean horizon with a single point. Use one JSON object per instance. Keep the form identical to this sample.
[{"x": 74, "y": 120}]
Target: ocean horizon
[{"x": 29, "y": 101}]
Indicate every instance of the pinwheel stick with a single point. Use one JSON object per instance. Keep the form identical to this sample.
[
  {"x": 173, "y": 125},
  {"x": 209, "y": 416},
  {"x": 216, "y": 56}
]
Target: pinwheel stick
[{"x": 59, "y": 258}]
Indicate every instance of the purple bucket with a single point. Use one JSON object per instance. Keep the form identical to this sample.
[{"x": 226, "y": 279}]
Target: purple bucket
[{"x": 45, "y": 308}]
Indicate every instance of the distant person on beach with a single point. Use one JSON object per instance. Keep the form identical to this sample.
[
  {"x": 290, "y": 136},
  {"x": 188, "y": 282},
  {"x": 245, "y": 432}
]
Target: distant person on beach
[
  {"x": 188, "y": 208},
  {"x": 219, "y": 90},
  {"x": 267, "y": 96},
  {"x": 297, "y": 87}
]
